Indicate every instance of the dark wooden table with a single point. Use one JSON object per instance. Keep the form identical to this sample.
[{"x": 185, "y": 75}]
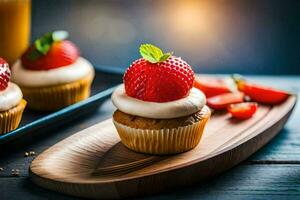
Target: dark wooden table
[{"x": 273, "y": 172}]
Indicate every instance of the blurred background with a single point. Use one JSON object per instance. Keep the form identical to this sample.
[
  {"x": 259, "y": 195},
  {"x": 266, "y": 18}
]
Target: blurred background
[{"x": 220, "y": 36}]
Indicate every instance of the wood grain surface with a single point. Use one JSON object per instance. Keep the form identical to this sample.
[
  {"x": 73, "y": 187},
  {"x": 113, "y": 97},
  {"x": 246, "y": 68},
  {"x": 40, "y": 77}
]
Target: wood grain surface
[{"x": 94, "y": 164}]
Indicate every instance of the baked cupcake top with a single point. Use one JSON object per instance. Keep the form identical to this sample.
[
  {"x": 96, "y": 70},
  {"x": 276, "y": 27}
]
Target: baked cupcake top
[
  {"x": 51, "y": 60},
  {"x": 158, "y": 85},
  {"x": 10, "y": 93}
]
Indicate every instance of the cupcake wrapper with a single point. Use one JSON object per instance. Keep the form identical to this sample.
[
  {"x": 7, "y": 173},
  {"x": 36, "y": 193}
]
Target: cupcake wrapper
[
  {"x": 52, "y": 98},
  {"x": 10, "y": 119},
  {"x": 163, "y": 141}
]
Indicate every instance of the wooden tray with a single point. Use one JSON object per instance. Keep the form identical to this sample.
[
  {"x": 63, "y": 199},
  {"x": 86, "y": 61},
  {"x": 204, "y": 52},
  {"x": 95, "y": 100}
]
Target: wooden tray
[{"x": 94, "y": 164}]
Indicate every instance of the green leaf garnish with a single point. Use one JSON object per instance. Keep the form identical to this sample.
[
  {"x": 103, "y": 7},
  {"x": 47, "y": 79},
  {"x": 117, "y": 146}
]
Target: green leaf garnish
[
  {"x": 43, "y": 44},
  {"x": 165, "y": 56},
  {"x": 153, "y": 54}
]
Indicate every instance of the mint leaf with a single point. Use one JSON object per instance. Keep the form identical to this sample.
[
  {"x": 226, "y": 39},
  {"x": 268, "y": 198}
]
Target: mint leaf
[
  {"x": 44, "y": 43},
  {"x": 153, "y": 54},
  {"x": 165, "y": 57},
  {"x": 150, "y": 52},
  {"x": 42, "y": 47}
]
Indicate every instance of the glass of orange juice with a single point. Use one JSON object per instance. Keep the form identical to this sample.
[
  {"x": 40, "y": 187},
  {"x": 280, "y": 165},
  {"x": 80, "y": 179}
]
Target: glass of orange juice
[{"x": 15, "y": 18}]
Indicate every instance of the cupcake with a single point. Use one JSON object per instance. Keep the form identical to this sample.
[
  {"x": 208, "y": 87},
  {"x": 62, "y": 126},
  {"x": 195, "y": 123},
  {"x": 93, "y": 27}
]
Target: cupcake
[
  {"x": 12, "y": 104},
  {"x": 51, "y": 73},
  {"x": 158, "y": 109}
]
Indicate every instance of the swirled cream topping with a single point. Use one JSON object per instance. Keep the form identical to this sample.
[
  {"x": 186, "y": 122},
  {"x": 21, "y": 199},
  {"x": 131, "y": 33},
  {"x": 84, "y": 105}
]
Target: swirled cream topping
[
  {"x": 10, "y": 97},
  {"x": 194, "y": 102},
  {"x": 36, "y": 78}
]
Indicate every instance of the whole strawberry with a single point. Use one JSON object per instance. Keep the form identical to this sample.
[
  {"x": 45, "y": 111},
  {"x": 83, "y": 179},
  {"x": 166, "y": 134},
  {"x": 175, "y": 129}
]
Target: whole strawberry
[
  {"x": 50, "y": 51},
  {"x": 4, "y": 74},
  {"x": 158, "y": 77}
]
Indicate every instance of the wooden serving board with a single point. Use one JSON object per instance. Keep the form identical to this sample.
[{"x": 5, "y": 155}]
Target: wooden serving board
[{"x": 94, "y": 164}]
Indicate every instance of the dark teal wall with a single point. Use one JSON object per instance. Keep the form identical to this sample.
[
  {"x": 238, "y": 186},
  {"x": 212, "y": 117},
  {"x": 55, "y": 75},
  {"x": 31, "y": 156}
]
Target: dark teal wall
[{"x": 250, "y": 37}]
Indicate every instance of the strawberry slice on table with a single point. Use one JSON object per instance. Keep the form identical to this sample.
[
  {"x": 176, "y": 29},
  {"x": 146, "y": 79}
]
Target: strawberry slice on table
[
  {"x": 158, "y": 76},
  {"x": 260, "y": 93},
  {"x": 242, "y": 110},
  {"x": 50, "y": 51},
  {"x": 211, "y": 86},
  {"x": 4, "y": 74},
  {"x": 222, "y": 101}
]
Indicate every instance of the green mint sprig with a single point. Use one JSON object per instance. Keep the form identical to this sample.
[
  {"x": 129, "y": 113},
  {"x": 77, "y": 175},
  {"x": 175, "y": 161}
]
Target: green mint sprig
[
  {"x": 153, "y": 54},
  {"x": 43, "y": 44}
]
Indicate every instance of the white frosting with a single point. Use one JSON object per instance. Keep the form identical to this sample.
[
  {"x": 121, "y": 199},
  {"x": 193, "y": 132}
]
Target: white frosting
[
  {"x": 194, "y": 102},
  {"x": 67, "y": 74},
  {"x": 10, "y": 97}
]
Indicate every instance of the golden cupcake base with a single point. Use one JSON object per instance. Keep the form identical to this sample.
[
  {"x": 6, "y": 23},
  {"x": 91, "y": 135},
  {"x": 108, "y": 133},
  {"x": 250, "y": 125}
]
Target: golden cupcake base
[
  {"x": 10, "y": 119},
  {"x": 52, "y": 98},
  {"x": 163, "y": 141}
]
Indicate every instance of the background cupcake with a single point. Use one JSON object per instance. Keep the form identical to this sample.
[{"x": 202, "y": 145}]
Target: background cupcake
[
  {"x": 11, "y": 103},
  {"x": 159, "y": 111},
  {"x": 51, "y": 73}
]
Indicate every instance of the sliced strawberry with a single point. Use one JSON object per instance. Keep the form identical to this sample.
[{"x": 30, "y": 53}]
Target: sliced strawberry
[
  {"x": 211, "y": 86},
  {"x": 223, "y": 100},
  {"x": 242, "y": 110},
  {"x": 262, "y": 94},
  {"x": 158, "y": 77},
  {"x": 4, "y": 74}
]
